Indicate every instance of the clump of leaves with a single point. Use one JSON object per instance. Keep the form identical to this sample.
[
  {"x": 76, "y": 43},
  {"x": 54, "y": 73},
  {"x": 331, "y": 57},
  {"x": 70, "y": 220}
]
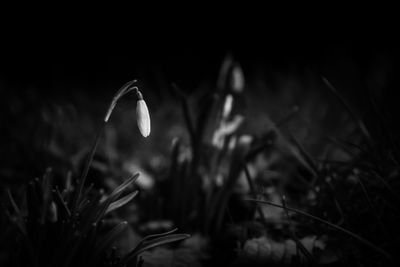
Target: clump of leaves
[
  {"x": 67, "y": 226},
  {"x": 206, "y": 173},
  {"x": 354, "y": 198}
]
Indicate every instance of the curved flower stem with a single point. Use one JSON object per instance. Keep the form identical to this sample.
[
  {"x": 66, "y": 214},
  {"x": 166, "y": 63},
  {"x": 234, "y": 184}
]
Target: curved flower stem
[{"x": 121, "y": 92}]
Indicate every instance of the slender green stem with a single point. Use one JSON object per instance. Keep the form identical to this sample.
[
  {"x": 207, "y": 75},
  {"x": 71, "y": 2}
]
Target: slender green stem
[
  {"x": 87, "y": 165},
  {"x": 120, "y": 93},
  {"x": 359, "y": 238}
]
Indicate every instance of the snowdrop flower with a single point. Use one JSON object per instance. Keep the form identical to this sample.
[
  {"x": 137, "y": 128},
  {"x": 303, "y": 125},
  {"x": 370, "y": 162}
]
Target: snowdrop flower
[
  {"x": 226, "y": 128},
  {"x": 237, "y": 80},
  {"x": 142, "y": 115}
]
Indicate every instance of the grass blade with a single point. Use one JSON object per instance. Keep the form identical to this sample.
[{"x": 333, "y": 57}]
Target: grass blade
[
  {"x": 61, "y": 203},
  {"x": 253, "y": 192},
  {"x": 117, "y": 191},
  {"x": 358, "y": 121},
  {"x": 114, "y": 195},
  {"x": 121, "y": 202}
]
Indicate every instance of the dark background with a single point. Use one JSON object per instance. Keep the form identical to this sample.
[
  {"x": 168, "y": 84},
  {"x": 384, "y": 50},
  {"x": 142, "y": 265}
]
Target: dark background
[
  {"x": 46, "y": 62},
  {"x": 360, "y": 59}
]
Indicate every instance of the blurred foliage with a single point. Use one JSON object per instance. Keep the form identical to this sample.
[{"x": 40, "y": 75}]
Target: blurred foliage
[{"x": 292, "y": 137}]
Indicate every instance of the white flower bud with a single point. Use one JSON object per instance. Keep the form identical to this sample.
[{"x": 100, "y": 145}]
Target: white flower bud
[
  {"x": 237, "y": 80},
  {"x": 143, "y": 117}
]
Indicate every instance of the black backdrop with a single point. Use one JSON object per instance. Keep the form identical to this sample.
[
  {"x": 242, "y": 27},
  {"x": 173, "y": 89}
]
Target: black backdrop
[{"x": 57, "y": 65}]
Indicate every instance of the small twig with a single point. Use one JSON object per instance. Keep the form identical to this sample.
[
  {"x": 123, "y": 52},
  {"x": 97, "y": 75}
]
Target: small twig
[
  {"x": 300, "y": 245},
  {"x": 359, "y": 122},
  {"x": 253, "y": 192},
  {"x": 305, "y": 159}
]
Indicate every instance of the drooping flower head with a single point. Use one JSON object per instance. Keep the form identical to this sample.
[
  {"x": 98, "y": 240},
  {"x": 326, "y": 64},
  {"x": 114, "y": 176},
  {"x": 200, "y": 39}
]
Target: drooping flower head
[{"x": 142, "y": 115}]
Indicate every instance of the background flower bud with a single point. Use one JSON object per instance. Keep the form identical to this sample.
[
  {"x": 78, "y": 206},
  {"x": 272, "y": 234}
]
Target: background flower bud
[
  {"x": 227, "y": 106},
  {"x": 237, "y": 79}
]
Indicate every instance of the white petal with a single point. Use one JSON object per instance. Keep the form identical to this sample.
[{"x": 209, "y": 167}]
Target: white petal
[
  {"x": 227, "y": 106},
  {"x": 143, "y": 118}
]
